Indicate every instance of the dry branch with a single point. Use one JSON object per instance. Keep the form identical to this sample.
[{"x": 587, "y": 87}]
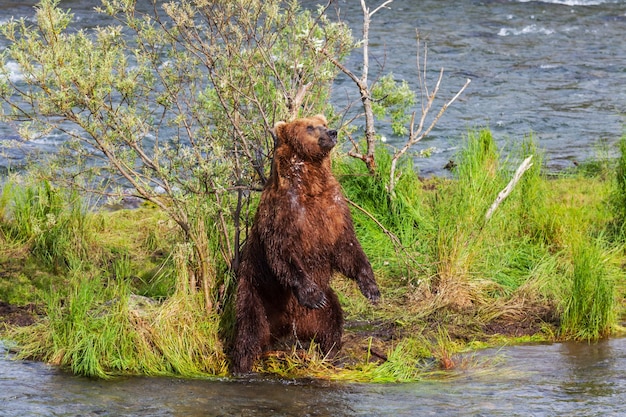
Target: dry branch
[
  {"x": 507, "y": 190},
  {"x": 295, "y": 102},
  {"x": 417, "y": 134},
  {"x": 364, "y": 89}
]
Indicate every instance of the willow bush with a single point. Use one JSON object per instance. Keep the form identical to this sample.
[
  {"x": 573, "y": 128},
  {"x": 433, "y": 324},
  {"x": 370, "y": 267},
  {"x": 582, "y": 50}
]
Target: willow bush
[{"x": 173, "y": 105}]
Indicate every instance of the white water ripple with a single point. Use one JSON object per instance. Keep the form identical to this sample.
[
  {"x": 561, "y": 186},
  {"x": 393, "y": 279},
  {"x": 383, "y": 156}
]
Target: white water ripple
[{"x": 530, "y": 29}]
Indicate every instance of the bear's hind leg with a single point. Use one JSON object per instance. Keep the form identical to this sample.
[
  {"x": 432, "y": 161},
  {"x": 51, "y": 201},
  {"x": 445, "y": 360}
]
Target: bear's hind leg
[
  {"x": 252, "y": 331},
  {"x": 325, "y": 326}
]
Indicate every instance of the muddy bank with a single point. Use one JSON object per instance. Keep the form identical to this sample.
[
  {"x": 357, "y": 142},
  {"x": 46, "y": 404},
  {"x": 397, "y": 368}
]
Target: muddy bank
[{"x": 13, "y": 315}]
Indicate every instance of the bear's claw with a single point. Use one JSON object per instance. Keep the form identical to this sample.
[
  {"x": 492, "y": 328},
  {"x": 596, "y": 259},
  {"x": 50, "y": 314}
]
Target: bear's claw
[
  {"x": 312, "y": 297},
  {"x": 371, "y": 292}
]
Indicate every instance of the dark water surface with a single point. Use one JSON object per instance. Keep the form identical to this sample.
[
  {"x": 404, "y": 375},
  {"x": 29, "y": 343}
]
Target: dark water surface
[
  {"x": 542, "y": 380},
  {"x": 556, "y": 68}
]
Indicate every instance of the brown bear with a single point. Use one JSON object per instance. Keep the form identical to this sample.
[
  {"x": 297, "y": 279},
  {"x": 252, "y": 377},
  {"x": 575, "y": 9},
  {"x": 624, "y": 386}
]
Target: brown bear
[{"x": 302, "y": 234}]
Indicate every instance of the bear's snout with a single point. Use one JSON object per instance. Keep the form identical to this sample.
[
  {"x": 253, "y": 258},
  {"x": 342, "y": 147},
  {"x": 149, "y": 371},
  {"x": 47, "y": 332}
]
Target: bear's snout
[{"x": 328, "y": 140}]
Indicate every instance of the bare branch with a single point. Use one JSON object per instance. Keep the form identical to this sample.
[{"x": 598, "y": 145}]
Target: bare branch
[
  {"x": 384, "y": 5},
  {"x": 417, "y": 134},
  {"x": 295, "y": 103},
  {"x": 525, "y": 165},
  {"x": 341, "y": 67},
  {"x": 364, "y": 89}
]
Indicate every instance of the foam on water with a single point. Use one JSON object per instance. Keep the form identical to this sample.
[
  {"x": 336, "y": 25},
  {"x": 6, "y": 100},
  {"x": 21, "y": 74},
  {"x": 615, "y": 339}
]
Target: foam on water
[{"x": 530, "y": 29}]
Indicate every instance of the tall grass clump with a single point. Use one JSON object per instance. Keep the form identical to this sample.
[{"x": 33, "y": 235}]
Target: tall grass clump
[
  {"x": 458, "y": 211},
  {"x": 94, "y": 323},
  {"x": 51, "y": 221},
  {"x": 96, "y": 327},
  {"x": 529, "y": 202},
  {"x": 390, "y": 227},
  {"x": 590, "y": 310},
  {"x": 518, "y": 237}
]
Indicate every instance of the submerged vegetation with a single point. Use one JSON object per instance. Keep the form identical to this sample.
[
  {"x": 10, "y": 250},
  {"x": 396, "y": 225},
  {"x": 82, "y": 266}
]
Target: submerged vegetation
[{"x": 149, "y": 290}]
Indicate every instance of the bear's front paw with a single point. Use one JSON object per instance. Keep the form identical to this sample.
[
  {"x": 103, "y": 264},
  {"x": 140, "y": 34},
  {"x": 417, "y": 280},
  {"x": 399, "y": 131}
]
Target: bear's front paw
[
  {"x": 370, "y": 291},
  {"x": 311, "y": 297}
]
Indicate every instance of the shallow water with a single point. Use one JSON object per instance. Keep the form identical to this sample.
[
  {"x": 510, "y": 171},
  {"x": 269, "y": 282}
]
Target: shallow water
[
  {"x": 568, "y": 379},
  {"x": 556, "y": 68}
]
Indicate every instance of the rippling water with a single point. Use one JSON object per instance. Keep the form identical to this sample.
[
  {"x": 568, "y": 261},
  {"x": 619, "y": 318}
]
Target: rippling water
[
  {"x": 556, "y": 68},
  {"x": 542, "y": 380}
]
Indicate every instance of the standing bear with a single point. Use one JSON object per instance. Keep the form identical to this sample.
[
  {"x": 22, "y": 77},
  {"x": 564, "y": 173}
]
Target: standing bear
[{"x": 302, "y": 234}]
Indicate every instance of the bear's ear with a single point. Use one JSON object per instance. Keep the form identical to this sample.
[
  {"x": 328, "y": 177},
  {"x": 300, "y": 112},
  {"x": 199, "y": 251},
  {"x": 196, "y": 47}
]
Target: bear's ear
[
  {"x": 321, "y": 118},
  {"x": 275, "y": 132}
]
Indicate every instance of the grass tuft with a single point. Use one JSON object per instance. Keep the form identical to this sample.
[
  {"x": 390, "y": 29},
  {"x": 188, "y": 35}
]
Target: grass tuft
[
  {"x": 51, "y": 221},
  {"x": 98, "y": 328},
  {"x": 589, "y": 313}
]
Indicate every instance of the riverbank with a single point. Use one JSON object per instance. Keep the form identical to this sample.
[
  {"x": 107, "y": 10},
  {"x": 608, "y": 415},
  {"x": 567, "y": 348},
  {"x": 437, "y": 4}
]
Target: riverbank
[{"x": 547, "y": 266}]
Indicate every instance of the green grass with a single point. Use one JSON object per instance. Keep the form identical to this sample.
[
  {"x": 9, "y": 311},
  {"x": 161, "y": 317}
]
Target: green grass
[
  {"x": 52, "y": 221},
  {"x": 590, "y": 310},
  {"x": 551, "y": 254},
  {"x": 459, "y": 260},
  {"x": 98, "y": 328}
]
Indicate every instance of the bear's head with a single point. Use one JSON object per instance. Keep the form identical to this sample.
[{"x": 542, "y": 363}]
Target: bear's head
[{"x": 308, "y": 138}]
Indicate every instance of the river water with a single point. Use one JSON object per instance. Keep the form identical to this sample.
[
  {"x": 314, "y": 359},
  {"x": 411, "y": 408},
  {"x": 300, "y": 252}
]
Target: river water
[
  {"x": 554, "y": 68},
  {"x": 569, "y": 379}
]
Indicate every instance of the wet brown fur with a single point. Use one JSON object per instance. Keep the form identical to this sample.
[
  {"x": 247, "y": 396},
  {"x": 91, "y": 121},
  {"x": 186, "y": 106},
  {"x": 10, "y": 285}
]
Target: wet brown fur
[{"x": 302, "y": 234}]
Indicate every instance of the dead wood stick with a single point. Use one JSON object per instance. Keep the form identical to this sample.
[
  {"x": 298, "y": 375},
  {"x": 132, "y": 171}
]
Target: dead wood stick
[{"x": 507, "y": 190}]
